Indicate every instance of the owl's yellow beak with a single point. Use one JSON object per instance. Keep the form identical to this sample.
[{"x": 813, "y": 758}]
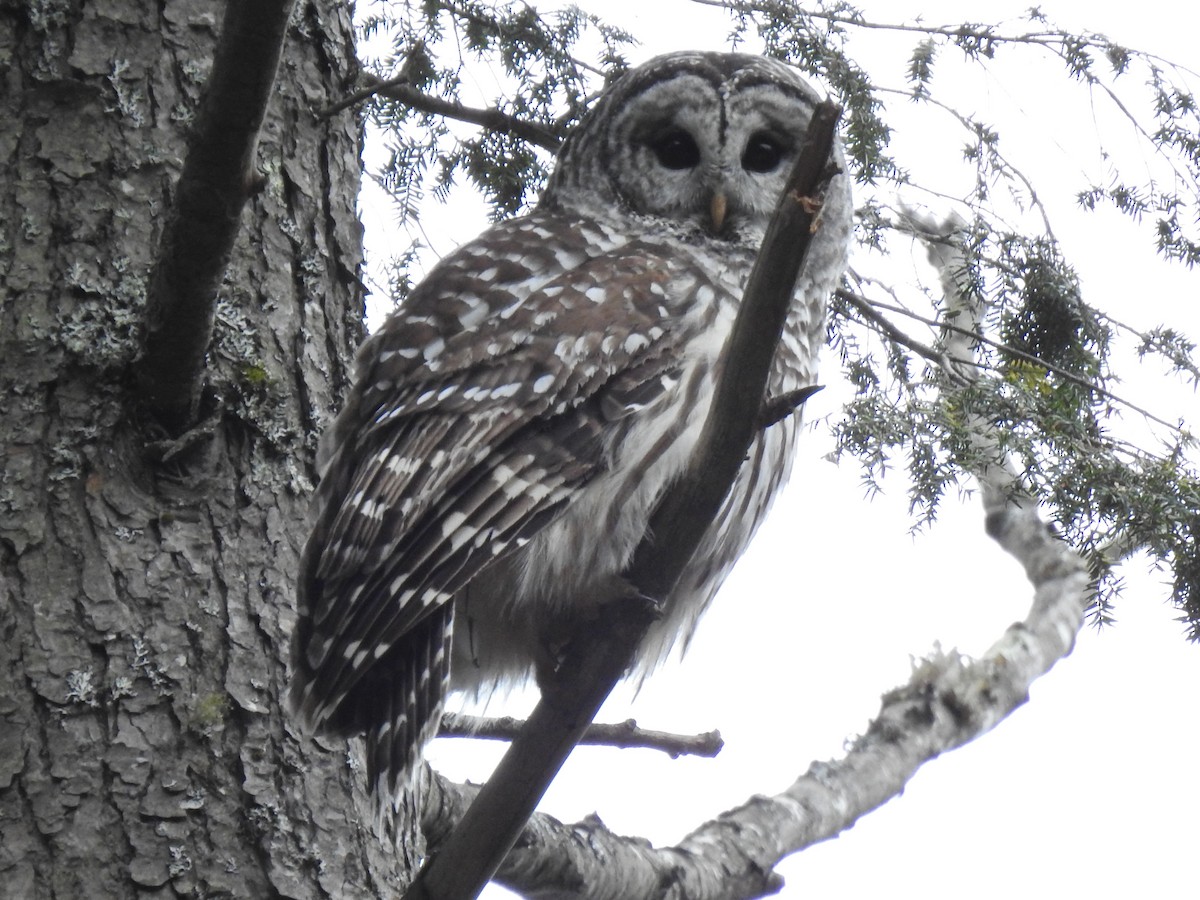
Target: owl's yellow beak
[{"x": 716, "y": 210}]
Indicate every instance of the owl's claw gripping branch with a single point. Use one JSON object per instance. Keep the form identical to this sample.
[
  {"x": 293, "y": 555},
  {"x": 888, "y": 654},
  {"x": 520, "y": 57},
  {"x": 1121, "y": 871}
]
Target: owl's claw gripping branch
[{"x": 469, "y": 857}]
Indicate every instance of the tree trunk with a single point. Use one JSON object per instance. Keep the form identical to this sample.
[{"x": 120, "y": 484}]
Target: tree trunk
[{"x": 147, "y": 581}]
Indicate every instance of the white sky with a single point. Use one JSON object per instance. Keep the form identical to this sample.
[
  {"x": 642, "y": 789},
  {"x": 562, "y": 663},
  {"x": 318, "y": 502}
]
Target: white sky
[{"x": 1086, "y": 791}]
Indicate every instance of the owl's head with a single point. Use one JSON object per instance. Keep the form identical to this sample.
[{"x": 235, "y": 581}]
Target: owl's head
[{"x": 703, "y": 140}]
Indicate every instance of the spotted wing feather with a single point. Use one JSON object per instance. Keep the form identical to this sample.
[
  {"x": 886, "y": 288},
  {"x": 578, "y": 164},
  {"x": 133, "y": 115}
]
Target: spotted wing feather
[{"x": 469, "y": 432}]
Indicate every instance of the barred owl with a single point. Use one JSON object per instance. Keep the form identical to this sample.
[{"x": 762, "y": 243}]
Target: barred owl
[{"x": 513, "y": 424}]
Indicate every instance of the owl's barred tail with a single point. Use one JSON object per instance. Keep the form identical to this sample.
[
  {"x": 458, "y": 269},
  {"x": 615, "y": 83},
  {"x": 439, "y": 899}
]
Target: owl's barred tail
[
  {"x": 396, "y": 706},
  {"x": 402, "y": 715}
]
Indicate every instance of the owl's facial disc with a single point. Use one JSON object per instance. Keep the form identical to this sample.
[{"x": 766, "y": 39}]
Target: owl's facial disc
[{"x": 711, "y": 154}]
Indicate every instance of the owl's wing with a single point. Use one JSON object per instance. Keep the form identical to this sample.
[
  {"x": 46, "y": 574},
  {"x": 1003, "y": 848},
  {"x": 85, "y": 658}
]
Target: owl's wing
[{"x": 472, "y": 426}]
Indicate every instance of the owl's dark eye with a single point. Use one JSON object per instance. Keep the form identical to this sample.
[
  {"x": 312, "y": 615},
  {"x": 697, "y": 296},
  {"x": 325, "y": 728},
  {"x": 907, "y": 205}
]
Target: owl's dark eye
[
  {"x": 762, "y": 154},
  {"x": 676, "y": 149}
]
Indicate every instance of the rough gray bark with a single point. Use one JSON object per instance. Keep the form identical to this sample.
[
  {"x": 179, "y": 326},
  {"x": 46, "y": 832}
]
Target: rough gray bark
[{"x": 145, "y": 590}]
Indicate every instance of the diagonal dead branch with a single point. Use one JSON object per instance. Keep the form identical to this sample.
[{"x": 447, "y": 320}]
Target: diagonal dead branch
[
  {"x": 216, "y": 181},
  {"x": 595, "y": 661}
]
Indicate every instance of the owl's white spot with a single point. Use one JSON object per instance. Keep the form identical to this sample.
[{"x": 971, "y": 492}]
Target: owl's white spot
[
  {"x": 505, "y": 390},
  {"x": 436, "y": 460},
  {"x": 400, "y": 465},
  {"x": 459, "y": 538},
  {"x": 536, "y": 491},
  {"x": 705, "y": 294},
  {"x": 489, "y": 274},
  {"x": 380, "y": 650},
  {"x": 515, "y": 487},
  {"x": 494, "y": 348},
  {"x": 452, "y": 523},
  {"x": 425, "y": 396},
  {"x": 608, "y": 344},
  {"x": 543, "y": 384},
  {"x": 636, "y": 342},
  {"x": 544, "y": 318},
  {"x": 361, "y": 657},
  {"x": 655, "y": 332},
  {"x": 320, "y": 648},
  {"x": 402, "y": 352},
  {"x": 434, "y": 348},
  {"x": 568, "y": 259},
  {"x": 596, "y": 294},
  {"x": 370, "y": 509},
  {"x": 350, "y": 649},
  {"x": 447, "y": 391},
  {"x": 475, "y": 312}
]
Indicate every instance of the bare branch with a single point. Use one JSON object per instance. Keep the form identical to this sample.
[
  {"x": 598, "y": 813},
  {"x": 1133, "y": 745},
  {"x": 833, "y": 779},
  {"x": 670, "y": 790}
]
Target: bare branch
[
  {"x": 401, "y": 91},
  {"x": 869, "y": 310},
  {"x": 970, "y": 124},
  {"x": 866, "y": 309},
  {"x": 217, "y": 179},
  {"x": 949, "y": 701},
  {"x": 776, "y": 409},
  {"x": 623, "y": 735},
  {"x": 597, "y": 658}
]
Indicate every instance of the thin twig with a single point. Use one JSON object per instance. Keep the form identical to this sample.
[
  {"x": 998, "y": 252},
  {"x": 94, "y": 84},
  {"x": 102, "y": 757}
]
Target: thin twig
[
  {"x": 972, "y": 125},
  {"x": 623, "y": 735},
  {"x": 865, "y": 306},
  {"x": 491, "y": 118}
]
